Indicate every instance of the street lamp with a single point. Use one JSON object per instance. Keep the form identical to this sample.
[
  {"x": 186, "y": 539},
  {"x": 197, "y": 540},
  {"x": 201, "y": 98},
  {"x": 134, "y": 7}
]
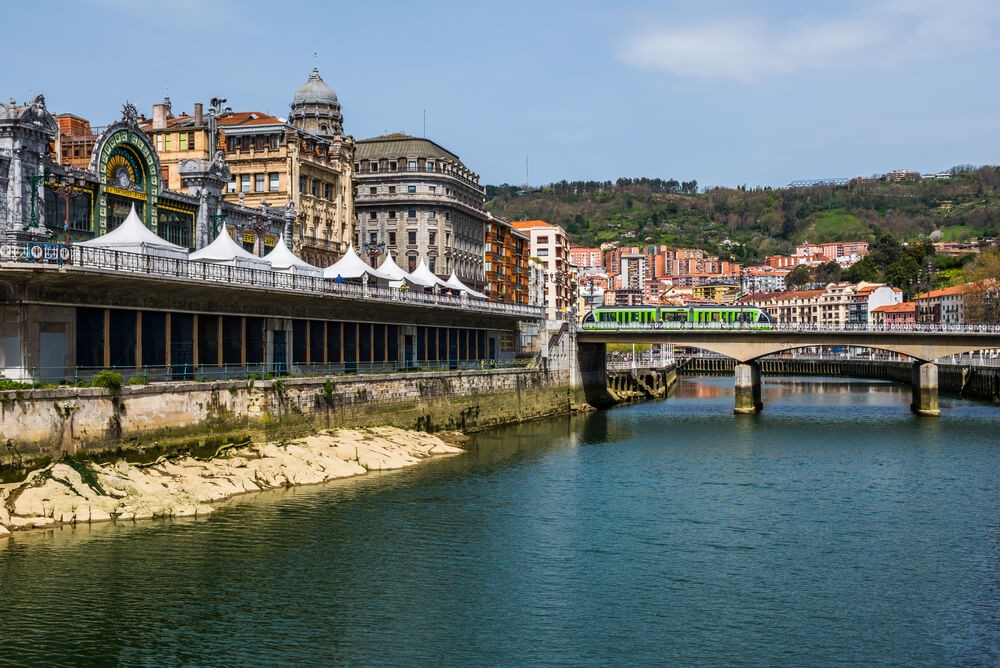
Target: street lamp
[
  {"x": 35, "y": 180},
  {"x": 373, "y": 249},
  {"x": 67, "y": 190}
]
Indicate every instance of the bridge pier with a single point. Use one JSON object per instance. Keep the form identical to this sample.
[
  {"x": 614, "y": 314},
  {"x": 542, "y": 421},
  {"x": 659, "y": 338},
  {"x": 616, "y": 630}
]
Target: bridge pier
[
  {"x": 924, "y": 385},
  {"x": 747, "y": 376}
]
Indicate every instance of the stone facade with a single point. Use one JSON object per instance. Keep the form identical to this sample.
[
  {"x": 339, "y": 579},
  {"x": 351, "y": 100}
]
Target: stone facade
[
  {"x": 48, "y": 423},
  {"x": 419, "y": 200},
  {"x": 301, "y": 169}
]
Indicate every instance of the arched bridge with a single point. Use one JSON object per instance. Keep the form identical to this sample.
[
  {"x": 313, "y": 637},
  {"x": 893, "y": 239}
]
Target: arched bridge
[{"x": 924, "y": 343}]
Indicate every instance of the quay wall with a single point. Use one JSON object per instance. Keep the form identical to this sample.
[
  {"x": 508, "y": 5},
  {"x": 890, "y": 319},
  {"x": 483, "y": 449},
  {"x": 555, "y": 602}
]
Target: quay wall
[
  {"x": 147, "y": 420},
  {"x": 967, "y": 381}
]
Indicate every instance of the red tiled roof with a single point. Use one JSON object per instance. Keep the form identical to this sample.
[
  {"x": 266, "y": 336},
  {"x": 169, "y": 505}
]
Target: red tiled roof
[{"x": 905, "y": 307}]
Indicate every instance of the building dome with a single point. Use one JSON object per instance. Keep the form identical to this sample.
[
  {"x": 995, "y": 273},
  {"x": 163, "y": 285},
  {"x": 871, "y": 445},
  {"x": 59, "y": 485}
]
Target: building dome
[
  {"x": 315, "y": 91},
  {"x": 315, "y": 108}
]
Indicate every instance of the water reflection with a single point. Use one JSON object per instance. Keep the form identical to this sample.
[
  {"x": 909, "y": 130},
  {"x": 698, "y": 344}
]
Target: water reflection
[{"x": 835, "y": 528}]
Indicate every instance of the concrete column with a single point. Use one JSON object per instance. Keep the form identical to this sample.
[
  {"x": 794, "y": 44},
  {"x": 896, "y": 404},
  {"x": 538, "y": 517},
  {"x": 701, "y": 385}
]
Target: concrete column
[
  {"x": 747, "y": 377},
  {"x": 925, "y": 389}
]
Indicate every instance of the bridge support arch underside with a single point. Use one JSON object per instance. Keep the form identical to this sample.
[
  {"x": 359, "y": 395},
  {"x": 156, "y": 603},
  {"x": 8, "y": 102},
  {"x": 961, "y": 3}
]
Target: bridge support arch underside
[{"x": 746, "y": 347}]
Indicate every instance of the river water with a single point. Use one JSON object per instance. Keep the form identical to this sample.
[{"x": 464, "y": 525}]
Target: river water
[{"x": 834, "y": 529}]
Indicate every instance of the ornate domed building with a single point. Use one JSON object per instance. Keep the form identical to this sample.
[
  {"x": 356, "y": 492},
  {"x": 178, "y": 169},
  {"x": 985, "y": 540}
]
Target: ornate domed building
[{"x": 316, "y": 109}]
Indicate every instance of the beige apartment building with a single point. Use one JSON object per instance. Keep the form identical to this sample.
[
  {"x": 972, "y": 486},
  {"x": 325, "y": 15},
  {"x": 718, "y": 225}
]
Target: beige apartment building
[
  {"x": 304, "y": 165},
  {"x": 550, "y": 245}
]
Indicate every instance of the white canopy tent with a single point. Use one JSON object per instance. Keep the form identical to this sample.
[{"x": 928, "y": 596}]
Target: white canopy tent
[
  {"x": 134, "y": 237},
  {"x": 283, "y": 259},
  {"x": 424, "y": 274},
  {"x": 224, "y": 250},
  {"x": 398, "y": 276},
  {"x": 459, "y": 285},
  {"x": 352, "y": 267}
]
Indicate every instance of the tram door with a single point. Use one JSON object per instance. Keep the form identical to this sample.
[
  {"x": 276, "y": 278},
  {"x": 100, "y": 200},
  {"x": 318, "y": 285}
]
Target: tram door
[{"x": 279, "y": 352}]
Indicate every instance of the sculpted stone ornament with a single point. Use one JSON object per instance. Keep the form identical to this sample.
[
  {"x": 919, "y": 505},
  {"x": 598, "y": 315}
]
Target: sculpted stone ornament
[{"x": 129, "y": 113}]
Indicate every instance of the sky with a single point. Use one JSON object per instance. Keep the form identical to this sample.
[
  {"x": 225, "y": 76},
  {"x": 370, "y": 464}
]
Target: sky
[{"x": 727, "y": 93}]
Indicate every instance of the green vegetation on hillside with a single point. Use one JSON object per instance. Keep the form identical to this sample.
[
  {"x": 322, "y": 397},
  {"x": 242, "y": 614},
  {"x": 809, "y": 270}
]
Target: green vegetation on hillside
[{"x": 749, "y": 224}]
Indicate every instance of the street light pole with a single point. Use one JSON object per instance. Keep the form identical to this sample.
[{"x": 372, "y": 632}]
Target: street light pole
[
  {"x": 373, "y": 249},
  {"x": 67, "y": 191}
]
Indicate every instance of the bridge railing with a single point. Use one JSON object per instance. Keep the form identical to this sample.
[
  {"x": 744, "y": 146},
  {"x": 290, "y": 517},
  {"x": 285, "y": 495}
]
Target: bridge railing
[{"x": 924, "y": 328}]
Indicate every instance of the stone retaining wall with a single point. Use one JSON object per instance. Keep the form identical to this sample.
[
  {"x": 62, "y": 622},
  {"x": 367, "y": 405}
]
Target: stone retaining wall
[{"x": 36, "y": 425}]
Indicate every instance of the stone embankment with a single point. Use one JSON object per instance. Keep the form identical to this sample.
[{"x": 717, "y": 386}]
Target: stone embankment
[{"x": 71, "y": 491}]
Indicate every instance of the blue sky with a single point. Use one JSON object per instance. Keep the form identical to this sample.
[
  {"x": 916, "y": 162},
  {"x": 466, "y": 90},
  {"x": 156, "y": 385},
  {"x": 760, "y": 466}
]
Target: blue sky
[{"x": 727, "y": 93}]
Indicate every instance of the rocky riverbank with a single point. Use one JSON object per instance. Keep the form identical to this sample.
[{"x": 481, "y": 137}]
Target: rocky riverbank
[{"x": 70, "y": 492}]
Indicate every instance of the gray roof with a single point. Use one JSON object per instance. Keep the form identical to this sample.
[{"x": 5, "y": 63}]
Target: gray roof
[
  {"x": 401, "y": 146},
  {"x": 314, "y": 91}
]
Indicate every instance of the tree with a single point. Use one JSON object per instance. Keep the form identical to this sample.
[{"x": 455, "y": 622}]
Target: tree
[
  {"x": 798, "y": 277},
  {"x": 903, "y": 274},
  {"x": 864, "y": 269},
  {"x": 982, "y": 303},
  {"x": 885, "y": 250},
  {"x": 829, "y": 272}
]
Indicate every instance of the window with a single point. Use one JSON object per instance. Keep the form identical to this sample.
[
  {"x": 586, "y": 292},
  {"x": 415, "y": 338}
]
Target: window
[
  {"x": 411, "y": 166},
  {"x": 315, "y": 188},
  {"x": 372, "y": 215},
  {"x": 373, "y": 190},
  {"x": 431, "y": 215},
  {"x": 392, "y": 237},
  {"x": 244, "y": 183},
  {"x": 159, "y": 143},
  {"x": 392, "y": 165},
  {"x": 273, "y": 184},
  {"x": 373, "y": 166},
  {"x": 411, "y": 262},
  {"x": 167, "y": 140},
  {"x": 182, "y": 141},
  {"x": 542, "y": 252},
  {"x": 411, "y": 189},
  {"x": 431, "y": 238},
  {"x": 432, "y": 189},
  {"x": 232, "y": 185},
  {"x": 392, "y": 215},
  {"x": 412, "y": 213},
  {"x": 392, "y": 190},
  {"x": 328, "y": 192},
  {"x": 258, "y": 183},
  {"x": 430, "y": 165},
  {"x": 373, "y": 237},
  {"x": 303, "y": 182},
  {"x": 542, "y": 240},
  {"x": 432, "y": 263},
  {"x": 411, "y": 237}
]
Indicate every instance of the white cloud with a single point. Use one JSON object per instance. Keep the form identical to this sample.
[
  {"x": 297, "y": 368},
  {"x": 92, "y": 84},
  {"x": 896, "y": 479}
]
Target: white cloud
[{"x": 894, "y": 32}]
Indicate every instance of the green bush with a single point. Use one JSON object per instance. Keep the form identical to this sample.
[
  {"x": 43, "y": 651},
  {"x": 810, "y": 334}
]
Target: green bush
[{"x": 112, "y": 380}]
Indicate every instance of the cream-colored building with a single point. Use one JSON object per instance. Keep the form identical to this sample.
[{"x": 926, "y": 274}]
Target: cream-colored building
[
  {"x": 305, "y": 164},
  {"x": 550, "y": 245}
]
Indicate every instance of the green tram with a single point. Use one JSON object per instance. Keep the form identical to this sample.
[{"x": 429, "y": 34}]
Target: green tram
[{"x": 678, "y": 316}]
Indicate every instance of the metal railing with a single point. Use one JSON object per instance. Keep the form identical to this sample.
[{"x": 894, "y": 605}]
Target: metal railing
[
  {"x": 918, "y": 328},
  {"x": 101, "y": 259}
]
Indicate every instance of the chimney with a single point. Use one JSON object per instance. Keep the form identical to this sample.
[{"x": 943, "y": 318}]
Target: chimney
[
  {"x": 159, "y": 116},
  {"x": 199, "y": 117}
]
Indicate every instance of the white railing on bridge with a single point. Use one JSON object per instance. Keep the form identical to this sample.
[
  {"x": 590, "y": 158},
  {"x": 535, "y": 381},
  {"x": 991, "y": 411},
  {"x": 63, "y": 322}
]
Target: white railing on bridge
[
  {"x": 921, "y": 328},
  {"x": 102, "y": 260}
]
